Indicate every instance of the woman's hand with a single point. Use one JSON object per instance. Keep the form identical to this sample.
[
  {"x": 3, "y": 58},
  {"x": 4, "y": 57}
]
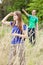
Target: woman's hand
[
  {"x": 11, "y": 14},
  {"x": 20, "y": 35},
  {"x": 6, "y": 17},
  {"x": 4, "y": 21}
]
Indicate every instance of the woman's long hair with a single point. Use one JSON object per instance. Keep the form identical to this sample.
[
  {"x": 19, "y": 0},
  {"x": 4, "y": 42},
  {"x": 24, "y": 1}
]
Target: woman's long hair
[{"x": 18, "y": 13}]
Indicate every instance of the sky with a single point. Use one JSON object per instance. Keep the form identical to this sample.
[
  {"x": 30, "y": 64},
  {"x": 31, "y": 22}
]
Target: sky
[{"x": 0, "y": 1}]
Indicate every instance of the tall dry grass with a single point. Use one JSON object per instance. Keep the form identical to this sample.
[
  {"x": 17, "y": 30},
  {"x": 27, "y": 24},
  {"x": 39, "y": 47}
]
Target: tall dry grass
[{"x": 34, "y": 54}]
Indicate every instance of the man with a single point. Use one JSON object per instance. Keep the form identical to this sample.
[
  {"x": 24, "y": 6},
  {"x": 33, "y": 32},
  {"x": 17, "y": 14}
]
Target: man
[{"x": 32, "y": 25}]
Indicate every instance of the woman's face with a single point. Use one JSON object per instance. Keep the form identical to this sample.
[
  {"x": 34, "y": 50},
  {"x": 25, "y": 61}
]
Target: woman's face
[{"x": 15, "y": 17}]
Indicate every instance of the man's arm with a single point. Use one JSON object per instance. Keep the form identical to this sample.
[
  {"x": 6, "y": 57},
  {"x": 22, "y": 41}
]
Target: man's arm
[
  {"x": 36, "y": 27},
  {"x": 25, "y": 12},
  {"x": 36, "y": 30}
]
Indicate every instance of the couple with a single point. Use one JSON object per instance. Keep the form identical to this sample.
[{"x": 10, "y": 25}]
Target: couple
[{"x": 19, "y": 33}]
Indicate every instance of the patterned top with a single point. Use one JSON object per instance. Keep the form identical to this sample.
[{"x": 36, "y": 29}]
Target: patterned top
[{"x": 17, "y": 39}]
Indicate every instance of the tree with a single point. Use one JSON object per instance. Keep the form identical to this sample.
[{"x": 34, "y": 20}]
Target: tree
[
  {"x": 38, "y": 6},
  {"x": 12, "y": 5}
]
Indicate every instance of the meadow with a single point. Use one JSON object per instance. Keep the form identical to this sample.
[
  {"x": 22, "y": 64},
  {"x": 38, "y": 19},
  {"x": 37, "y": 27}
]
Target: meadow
[{"x": 34, "y": 54}]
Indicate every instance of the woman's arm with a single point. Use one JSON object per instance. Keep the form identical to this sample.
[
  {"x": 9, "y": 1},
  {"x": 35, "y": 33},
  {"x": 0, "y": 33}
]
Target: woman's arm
[
  {"x": 25, "y": 12},
  {"x": 20, "y": 35},
  {"x": 23, "y": 35},
  {"x": 4, "y": 21}
]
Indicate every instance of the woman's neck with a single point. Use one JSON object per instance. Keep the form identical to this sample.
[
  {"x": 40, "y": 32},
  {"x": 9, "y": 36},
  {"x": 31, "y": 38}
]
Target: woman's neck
[{"x": 16, "y": 22}]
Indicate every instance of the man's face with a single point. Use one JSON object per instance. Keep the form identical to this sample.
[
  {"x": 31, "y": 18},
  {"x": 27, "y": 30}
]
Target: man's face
[{"x": 34, "y": 12}]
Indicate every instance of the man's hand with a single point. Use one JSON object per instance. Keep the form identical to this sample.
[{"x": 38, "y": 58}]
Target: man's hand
[{"x": 23, "y": 10}]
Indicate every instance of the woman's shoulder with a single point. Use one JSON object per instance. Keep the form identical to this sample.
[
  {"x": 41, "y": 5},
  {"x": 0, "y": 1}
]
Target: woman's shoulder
[
  {"x": 12, "y": 23},
  {"x": 24, "y": 26}
]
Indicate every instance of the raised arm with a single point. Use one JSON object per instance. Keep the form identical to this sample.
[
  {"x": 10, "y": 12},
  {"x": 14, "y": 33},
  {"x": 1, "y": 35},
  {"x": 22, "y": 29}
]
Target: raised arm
[
  {"x": 4, "y": 21},
  {"x": 25, "y": 12}
]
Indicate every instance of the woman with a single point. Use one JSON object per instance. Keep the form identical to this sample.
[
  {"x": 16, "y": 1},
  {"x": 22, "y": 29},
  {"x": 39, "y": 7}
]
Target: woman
[{"x": 18, "y": 37}]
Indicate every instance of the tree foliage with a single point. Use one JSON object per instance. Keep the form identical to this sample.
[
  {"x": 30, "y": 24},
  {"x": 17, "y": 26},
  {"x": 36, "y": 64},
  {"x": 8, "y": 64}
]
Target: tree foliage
[
  {"x": 38, "y": 6},
  {"x": 12, "y": 5}
]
